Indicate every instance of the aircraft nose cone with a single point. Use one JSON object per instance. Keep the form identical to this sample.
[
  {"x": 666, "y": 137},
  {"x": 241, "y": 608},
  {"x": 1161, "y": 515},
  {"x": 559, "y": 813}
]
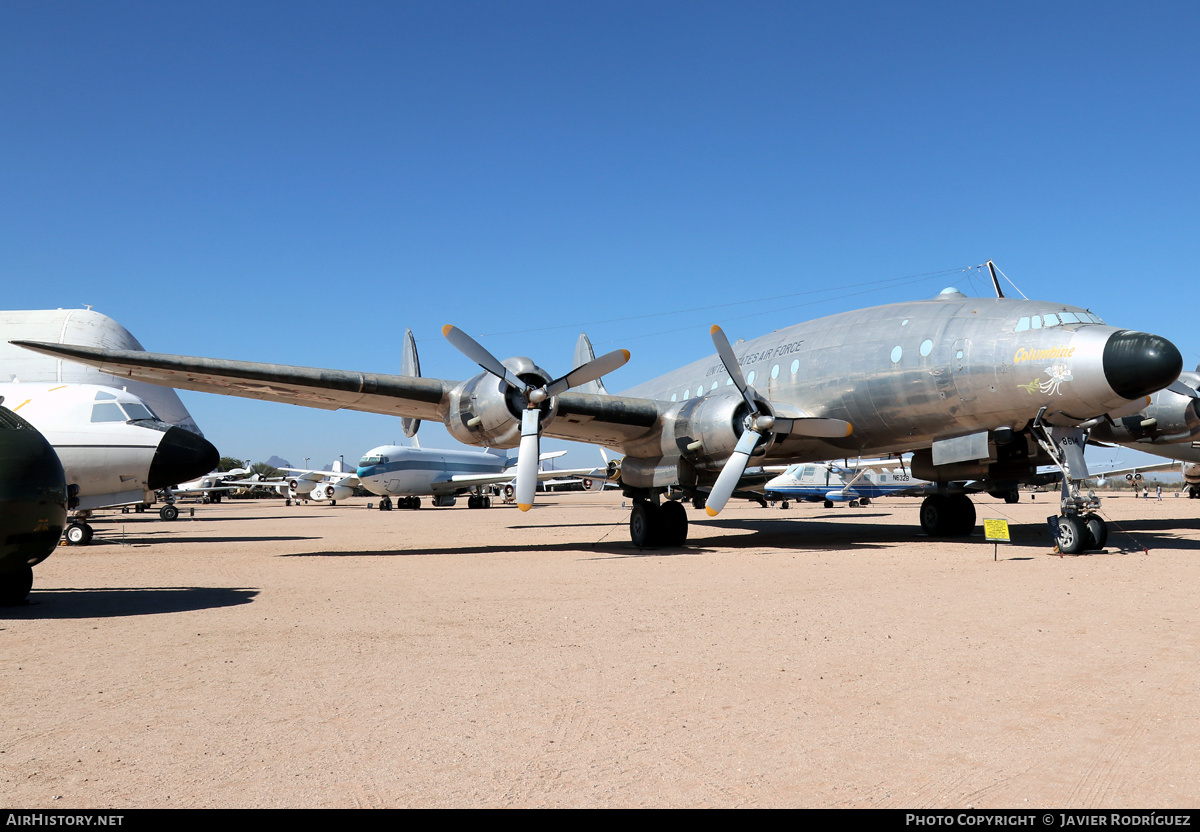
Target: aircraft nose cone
[
  {"x": 181, "y": 456},
  {"x": 1137, "y": 363}
]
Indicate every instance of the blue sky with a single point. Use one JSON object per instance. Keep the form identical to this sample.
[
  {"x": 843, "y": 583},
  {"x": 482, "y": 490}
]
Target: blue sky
[{"x": 298, "y": 182}]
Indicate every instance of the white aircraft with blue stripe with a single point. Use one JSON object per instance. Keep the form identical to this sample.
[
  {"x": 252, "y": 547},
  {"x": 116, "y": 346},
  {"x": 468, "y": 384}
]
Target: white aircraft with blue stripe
[{"x": 857, "y": 484}]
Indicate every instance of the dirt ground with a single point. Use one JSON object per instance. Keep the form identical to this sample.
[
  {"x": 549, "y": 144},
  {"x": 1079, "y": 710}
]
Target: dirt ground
[{"x": 265, "y": 656}]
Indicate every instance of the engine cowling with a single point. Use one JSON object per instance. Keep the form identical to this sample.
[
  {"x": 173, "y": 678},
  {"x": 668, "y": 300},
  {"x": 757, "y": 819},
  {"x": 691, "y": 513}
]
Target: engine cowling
[
  {"x": 329, "y": 491},
  {"x": 484, "y": 411},
  {"x": 1169, "y": 418}
]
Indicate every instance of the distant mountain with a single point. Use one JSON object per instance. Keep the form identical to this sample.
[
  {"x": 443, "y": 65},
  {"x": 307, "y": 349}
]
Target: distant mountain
[{"x": 278, "y": 462}]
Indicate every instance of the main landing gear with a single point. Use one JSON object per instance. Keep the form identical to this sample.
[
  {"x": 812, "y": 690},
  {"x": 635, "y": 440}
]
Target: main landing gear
[
  {"x": 478, "y": 501},
  {"x": 652, "y": 524},
  {"x": 947, "y": 515}
]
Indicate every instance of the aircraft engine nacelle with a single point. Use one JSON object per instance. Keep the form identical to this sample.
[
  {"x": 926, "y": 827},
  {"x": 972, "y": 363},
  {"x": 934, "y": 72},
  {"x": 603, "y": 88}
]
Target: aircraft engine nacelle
[
  {"x": 484, "y": 411},
  {"x": 1191, "y": 473},
  {"x": 705, "y": 430},
  {"x": 328, "y": 491},
  {"x": 301, "y": 488},
  {"x": 1169, "y": 418}
]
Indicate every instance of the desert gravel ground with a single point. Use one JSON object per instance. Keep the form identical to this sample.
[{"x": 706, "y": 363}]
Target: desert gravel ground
[{"x": 260, "y": 655}]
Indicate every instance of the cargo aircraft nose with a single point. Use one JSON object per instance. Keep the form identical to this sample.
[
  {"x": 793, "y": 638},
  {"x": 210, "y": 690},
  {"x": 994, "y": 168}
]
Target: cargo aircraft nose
[
  {"x": 181, "y": 456},
  {"x": 1137, "y": 363}
]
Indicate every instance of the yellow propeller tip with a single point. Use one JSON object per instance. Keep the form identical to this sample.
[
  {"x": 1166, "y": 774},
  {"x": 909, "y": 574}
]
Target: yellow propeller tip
[
  {"x": 849, "y": 428},
  {"x": 524, "y": 506},
  {"x": 712, "y": 512},
  {"x": 715, "y": 329},
  {"x": 627, "y": 354},
  {"x": 446, "y": 329}
]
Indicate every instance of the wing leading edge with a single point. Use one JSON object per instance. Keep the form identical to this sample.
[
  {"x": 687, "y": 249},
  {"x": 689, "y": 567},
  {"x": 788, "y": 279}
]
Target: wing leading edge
[{"x": 585, "y": 417}]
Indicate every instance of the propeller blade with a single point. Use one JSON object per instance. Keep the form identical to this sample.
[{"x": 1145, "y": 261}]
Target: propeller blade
[
  {"x": 728, "y": 479},
  {"x": 815, "y": 426},
  {"x": 475, "y": 351},
  {"x": 731, "y": 365},
  {"x": 1184, "y": 389},
  {"x": 527, "y": 459},
  {"x": 590, "y": 371}
]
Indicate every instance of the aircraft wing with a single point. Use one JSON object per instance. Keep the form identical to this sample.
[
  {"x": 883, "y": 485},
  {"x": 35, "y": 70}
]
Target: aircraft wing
[
  {"x": 584, "y": 417},
  {"x": 1173, "y": 465},
  {"x": 336, "y": 477}
]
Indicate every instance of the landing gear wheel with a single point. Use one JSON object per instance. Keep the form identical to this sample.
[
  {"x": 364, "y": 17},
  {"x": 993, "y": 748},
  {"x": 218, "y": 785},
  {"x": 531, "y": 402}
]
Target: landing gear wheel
[
  {"x": 934, "y": 515},
  {"x": 79, "y": 534},
  {"x": 673, "y": 519},
  {"x": 487, "y": 501},
  {"x": 1013, "y": 496},
  {"x": 829, "y": 504},
  {"x": 168, "y": 512},
  {"x": 15, "y": 586},
  {"x": 962, "y": 515},
  {"x": 854, "y": 504},
  {"x": 864, "y": 501},
  {"x": 385, "y": 504},
  {"x": 644, "y": 524},
  {"x": 699, "y": 502},
  {"x": 1097, "y": 530},
  {"x": 1072, "y": 535},
  {"x": 784, "y": 504}
]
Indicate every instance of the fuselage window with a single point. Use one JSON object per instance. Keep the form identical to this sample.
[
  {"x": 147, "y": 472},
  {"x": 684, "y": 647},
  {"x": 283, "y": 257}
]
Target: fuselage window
[
  {"x": 1037, "y": 321},
  {"x": 1022, "y": 325}
]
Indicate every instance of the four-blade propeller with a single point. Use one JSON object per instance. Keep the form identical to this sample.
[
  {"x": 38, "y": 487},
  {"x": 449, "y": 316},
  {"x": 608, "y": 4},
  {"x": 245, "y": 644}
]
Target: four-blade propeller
[{"x": 535, "y": 395}]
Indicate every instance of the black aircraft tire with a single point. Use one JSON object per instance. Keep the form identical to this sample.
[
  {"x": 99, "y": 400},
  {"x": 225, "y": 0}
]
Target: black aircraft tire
[
  {"x": 15, "y": 586},
  {"x": 934, "y": 515},
  {"x": 829, "y": 504},
  {"x": 1013, "y": 496},
  {"x": 79, "y": 534},
  {"x": 1097, "y": 531},
  {"x": 699, "y": 502},
  {"x": 168, "y": 512},
  {"x": 673, "y": 517},
  {"x": 1072, "y": 535},
  {"x": 864, "y": 501},
  {"x": 961, "y": 515},
  {"x": 644, "y": 524}
]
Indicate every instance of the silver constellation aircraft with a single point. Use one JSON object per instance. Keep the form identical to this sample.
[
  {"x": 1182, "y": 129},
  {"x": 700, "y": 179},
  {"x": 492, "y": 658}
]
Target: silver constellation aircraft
[
  {"x": 976, "y": 388},
  {"x": 1169, "y": 427}
]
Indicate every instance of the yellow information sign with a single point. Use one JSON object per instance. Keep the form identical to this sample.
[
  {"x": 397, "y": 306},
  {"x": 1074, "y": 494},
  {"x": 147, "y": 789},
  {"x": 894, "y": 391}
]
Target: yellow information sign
[{"x": 996, "y": 530}]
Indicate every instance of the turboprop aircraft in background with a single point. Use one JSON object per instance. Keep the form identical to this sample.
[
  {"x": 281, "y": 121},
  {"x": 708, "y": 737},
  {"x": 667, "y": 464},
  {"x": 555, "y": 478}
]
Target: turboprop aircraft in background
[
  {"x": 856, "y": 483},
  {"x": 985, "y": 389}
]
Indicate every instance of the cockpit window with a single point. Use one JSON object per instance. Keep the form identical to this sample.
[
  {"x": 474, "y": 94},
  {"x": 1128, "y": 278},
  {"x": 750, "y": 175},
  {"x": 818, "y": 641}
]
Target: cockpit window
[
  {"x": 371, "y": 459},
  {"x": 137, "y": 410},
  {"x": 107, "y": 412},
  {"x": 1056, "y": 319}
]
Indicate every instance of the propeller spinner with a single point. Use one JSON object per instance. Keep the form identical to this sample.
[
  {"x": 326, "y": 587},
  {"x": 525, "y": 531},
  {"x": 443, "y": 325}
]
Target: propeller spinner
[{"x": 531, "y": 428}]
